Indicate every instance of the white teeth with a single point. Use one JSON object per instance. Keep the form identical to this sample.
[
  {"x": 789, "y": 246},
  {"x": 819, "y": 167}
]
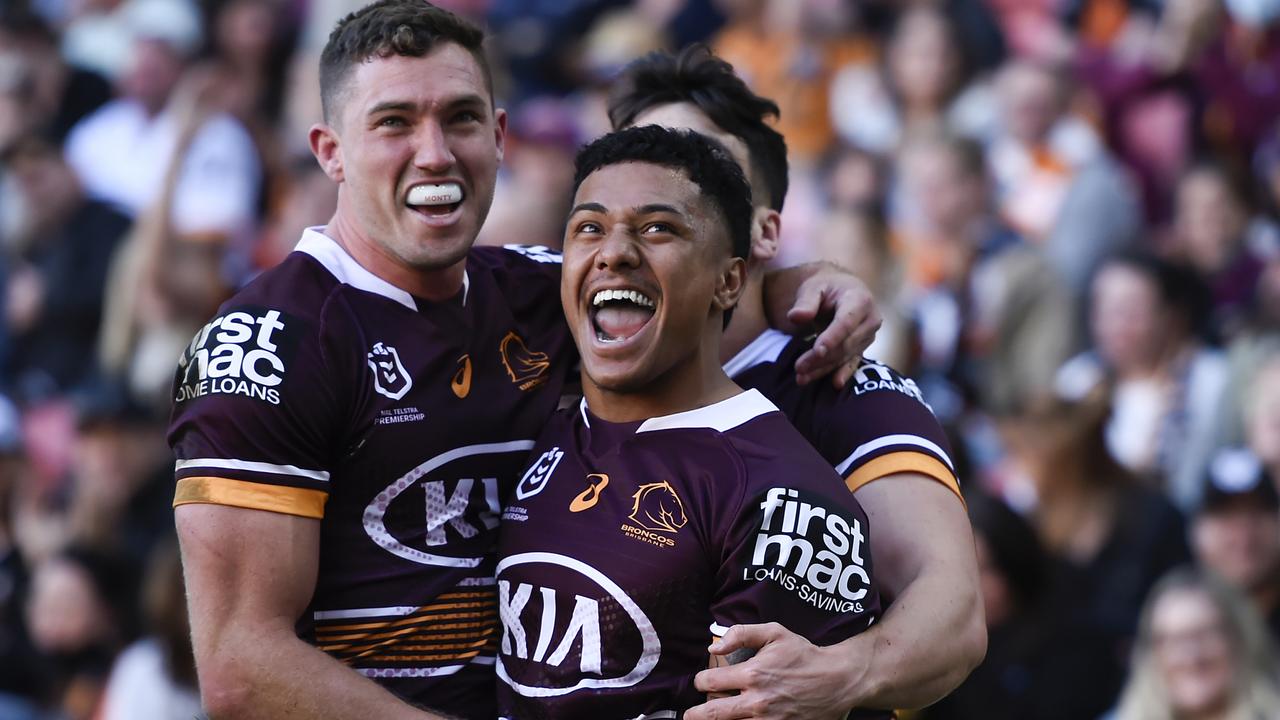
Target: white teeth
[
  {"x": 633, "y": 296},
  {"x": 442, "y": 194}
]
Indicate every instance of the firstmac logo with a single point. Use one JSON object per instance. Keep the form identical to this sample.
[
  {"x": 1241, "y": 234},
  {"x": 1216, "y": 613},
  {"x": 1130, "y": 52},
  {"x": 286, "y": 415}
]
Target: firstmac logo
[{"x": 239, "y": 353}]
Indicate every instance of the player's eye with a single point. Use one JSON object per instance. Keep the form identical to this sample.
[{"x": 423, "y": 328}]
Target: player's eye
[
  {"x": 589, "y": 228},
  {"x": 466, "y": 116},
  {"x": 654, "y": 228},
  {"x": 392, "y": 121}
]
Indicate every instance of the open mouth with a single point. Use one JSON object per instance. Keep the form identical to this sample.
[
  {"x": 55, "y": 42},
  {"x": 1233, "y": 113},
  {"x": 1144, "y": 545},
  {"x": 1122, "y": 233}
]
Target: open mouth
[
  {"x": 436, "y": 200},
  {"x": 618, "y": 315}
]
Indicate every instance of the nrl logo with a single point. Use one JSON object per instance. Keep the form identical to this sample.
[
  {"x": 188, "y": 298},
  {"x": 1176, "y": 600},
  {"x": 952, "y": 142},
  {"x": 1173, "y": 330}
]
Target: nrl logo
[{"x": 389, "y": 376}]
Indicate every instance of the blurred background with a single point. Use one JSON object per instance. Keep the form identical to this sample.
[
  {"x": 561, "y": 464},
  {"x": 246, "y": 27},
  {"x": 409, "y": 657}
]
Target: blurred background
[{"x": 1069, "y": 211}]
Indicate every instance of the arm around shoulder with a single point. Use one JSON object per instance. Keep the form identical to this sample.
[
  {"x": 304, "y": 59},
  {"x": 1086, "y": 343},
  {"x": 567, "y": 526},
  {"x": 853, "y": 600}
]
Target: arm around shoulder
[
  {"x": 250, "y": 575},
  {"x": 934, "y": 632}
]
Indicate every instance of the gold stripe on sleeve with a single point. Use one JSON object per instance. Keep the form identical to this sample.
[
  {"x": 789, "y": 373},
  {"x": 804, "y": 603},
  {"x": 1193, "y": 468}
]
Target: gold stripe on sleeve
[
  {"x": 255, "y": 496},
  {"x": 899, "y": 462}
]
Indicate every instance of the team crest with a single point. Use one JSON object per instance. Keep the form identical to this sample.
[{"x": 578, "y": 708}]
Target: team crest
[
  {"x": 526, "y": 368},
  {"x": 658, "y": 508},
  {"x": 389, "y": 376}
]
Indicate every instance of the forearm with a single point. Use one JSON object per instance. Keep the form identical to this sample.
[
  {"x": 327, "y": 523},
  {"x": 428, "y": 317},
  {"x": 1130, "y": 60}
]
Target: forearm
[
  {"x": 926, "y": 644},
  {"x": 266, "y": 673},
  {"x": 933, "y": 632}
]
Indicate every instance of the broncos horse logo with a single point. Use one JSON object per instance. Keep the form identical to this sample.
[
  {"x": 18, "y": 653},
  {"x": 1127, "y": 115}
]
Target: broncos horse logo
[
  {"x": 527, "y": 368},
  {"x": 657, "y": 507}
]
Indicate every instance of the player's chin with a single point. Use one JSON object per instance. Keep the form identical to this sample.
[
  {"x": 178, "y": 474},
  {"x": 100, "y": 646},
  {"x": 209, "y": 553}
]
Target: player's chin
[{"x": 617, "y": 376}]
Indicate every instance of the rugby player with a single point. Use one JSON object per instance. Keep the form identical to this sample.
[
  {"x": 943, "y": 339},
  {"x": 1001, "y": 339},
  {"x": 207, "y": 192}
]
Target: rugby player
[
  {"x": 877, "y": 433},
  {"x": 670, "y": 503},
  {"x": 346, "y": 427}
]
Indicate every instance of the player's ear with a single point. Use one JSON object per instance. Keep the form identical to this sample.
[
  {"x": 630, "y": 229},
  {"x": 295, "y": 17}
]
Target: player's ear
[
  {"x": 500, "y": 131},
  {"x": 731, "y": 283},
  {"x": 327, "y": 149},
  {"x": 766, "y": 227}
]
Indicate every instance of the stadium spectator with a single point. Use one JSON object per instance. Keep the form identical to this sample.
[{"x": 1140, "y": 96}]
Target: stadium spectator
[
  {"x": 123, "y": 152},
  {"x": 1165, "y": 384},
  {"x": 81, "y": 611},
  {"x": 1236, "y": 531},
  {"x": 1055, "y": 182},
  {"x": 990, "y": 316},
  {"x": 924, "y": 90},
  {"x": 1038, "y": 665},
  {"x": 155, "y": 677},
  {"x": 1211, "y": 221},
  {"x": 1201, "y": 653},
  {"x": 57, "y": 273},
  {"x": 61, "y": 94},
  {"x": 1109, "y": 536}
]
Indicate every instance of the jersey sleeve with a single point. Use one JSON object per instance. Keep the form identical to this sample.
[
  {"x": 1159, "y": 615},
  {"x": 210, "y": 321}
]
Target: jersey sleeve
[
  {"x": 881, "y": 426},
  {"x": 795, "y": 556},
  {"x": 255, "y": 414}
]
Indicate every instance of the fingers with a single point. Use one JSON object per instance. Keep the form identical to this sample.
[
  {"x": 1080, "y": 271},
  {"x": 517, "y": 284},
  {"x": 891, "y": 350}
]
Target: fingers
[
  {"x": 808, "y": 303},
  {"x": 752, "y": 637},
  {"x": 725, "y": 679},
  {"x": 729, "y": 708}
]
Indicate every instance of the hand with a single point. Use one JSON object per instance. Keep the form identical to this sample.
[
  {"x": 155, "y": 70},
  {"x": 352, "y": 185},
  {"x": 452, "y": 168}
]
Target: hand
[
  {"x": 854, "y": 322},
  {"x": 789, "y": 678}
]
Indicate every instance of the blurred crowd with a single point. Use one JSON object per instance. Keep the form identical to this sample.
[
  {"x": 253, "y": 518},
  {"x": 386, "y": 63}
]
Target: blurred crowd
[{"x": 1069, "y": 211}]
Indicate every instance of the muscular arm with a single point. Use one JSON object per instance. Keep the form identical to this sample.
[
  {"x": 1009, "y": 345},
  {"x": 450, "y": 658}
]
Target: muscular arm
[
  {"x": 933, "y": 633},
  {"x": 928, "y": 641},
  {"x": 250, "y": 575}
]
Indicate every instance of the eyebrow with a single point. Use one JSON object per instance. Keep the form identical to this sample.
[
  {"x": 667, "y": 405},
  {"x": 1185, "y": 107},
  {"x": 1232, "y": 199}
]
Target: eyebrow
[
  {"x": 642, "y": 210},
  {"x": 588, "y": 207},
  {"x": 468, "y": 100},
  {"x": 388, "y": 106}
]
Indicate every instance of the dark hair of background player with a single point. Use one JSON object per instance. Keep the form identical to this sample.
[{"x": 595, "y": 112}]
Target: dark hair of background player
[
  {"x": 706, "y": 163},
  {"x": 697, "y": 76},
  {"x": 410, "y": 28}
]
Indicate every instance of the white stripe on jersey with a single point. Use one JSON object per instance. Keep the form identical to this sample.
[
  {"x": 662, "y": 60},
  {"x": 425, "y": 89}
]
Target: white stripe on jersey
[
  {"x": 537, "y": 253},
  {"x": 767, "y": 346},
  {"x": 364, "y": 612},
  {"x": 224, "y": 464},
  {"x": 342, "y": 266},
  {"x": 421, "y": 672},
  {"x": 722, "y": 416},
  {"x": 883, "y": 442}
]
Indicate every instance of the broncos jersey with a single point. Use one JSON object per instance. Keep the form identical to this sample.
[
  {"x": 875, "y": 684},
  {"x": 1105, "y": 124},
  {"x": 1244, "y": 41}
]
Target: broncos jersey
[
  {"x": 628, "y": 546},
  {"x": 321, "y": 390},
  {"x": 877, "y": 425}
]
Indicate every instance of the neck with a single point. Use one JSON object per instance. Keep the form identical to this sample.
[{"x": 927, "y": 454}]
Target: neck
[
  {"x": 434, "y": 284},
  {"x": 748, "y": 318},
  {"x": 695, "y": 381}
]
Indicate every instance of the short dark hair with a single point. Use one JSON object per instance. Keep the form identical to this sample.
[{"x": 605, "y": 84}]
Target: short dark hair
[
  {"x": 410, "y": 28},
  {"x": 705, "y": 161},
  {"x": 19, "y": 21},
  {"x": 697, "y": 76}
]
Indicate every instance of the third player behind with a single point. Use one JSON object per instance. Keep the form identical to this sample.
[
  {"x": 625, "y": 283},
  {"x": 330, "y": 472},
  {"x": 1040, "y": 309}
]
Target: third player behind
[
  {"x": 878, "y": 434},
  {"x": 670, "y": 504}
]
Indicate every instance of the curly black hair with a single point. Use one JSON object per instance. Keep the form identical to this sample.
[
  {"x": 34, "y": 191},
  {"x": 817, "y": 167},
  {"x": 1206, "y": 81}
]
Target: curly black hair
[
  {"x": 411, "y": 28},
  {"x": 697, "y": 76},
  {"x": 706, "y": 162}
]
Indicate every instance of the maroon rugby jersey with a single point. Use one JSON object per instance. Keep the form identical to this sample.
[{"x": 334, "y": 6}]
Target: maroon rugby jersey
[
  {"x": 876, "y": 426},
  {"x": 321, "y": 390},
  {"x": 627, "y": 546}
]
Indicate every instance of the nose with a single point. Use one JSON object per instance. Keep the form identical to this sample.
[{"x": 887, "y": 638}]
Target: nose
[
  {"x": 618, "y": 250},
  {"x": 431, "y": 151}
]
